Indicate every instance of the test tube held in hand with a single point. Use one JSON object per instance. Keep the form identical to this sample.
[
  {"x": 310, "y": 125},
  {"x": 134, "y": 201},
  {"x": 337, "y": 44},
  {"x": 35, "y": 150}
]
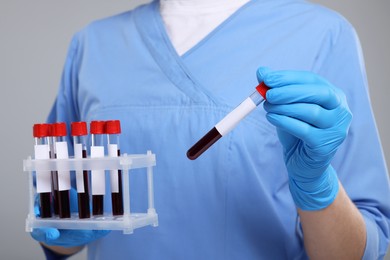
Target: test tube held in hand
[
  {"x": 113, "y": 129},
  {"x": 230, "y": 121},
  {"x": 98, "y": 183},
  {"x": 43, "y": 178},
  {"x": 80, "y": 134},
  {"x": 62, "y": 176}
]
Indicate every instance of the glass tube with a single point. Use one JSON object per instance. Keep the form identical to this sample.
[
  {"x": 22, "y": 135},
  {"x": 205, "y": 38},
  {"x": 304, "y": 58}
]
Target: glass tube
[
  {"x": 80, "y": 135},
  {"x": 43, "y": 179},
  {"x": 113, "y": 130},
  {"x": 97, "y": 176}
]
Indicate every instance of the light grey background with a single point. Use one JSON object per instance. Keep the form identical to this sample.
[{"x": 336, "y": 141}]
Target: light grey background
[{"x": 34, "y": 37}]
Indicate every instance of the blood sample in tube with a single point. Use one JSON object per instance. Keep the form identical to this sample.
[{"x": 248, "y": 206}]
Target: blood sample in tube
[
  {"x": 113, "y": 129},
  {"x": 80, "y": 133},
  {"x": 54, "y": 175},
  {"x": 230, "y": 121},
  {"x": 63, "y": 177},
  {"x": 43, "y": 178},
  {"x": 98, "y": 184}
]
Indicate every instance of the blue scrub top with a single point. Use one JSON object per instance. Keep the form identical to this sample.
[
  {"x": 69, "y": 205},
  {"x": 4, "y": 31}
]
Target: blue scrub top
[{"x": 233, "y": 202}]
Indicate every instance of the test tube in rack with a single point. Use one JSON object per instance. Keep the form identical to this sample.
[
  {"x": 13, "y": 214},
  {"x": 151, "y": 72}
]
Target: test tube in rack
[
  {"x": 62, "y": 178},
  {"x": 113, "y": 129},
  {"x": 54, "y": 175},
  {"x": 43, "y": 178},
  {"x": 80, "y": 133},
  {"x": 98, "y": 183}
]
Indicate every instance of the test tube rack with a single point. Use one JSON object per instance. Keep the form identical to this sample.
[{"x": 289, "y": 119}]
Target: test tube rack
[{"x": 126, "y": 223}]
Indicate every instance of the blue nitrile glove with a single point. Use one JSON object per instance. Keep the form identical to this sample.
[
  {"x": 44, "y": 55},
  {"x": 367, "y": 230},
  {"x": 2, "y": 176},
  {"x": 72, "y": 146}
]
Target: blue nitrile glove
[
  {"x": 312, "y": 120},
  {"x": 66, "y": 237}
]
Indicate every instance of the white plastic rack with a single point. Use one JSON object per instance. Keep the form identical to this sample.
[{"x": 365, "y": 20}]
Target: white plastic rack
[{"x": 127, "y": 223}]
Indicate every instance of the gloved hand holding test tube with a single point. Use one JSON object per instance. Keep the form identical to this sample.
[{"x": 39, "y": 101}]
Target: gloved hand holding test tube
[
  {"x": 230, "y": 121},
  {"x": 312, "y": 119}
]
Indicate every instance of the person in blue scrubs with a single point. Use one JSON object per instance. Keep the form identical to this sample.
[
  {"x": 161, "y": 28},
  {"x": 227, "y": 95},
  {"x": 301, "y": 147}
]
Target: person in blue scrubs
[{"x": 301, "y": 177}]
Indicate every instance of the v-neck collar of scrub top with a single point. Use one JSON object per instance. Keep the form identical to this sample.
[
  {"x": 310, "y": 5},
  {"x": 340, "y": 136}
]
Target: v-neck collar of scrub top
[{"x": 151, "y": 27}]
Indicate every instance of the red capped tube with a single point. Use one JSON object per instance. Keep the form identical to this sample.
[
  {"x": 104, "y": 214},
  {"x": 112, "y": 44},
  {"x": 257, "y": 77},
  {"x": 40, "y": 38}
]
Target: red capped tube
[
  {"x": 43, "y": 178},
  {"x": 113, "y": 127},
  {"x": 98, "y": 183},
  {"x": 113, "y": 130},
  {"x": 61, "y": 179},
  {"x": 79, "y": 133},
  {"x": 229, "y": 122}
]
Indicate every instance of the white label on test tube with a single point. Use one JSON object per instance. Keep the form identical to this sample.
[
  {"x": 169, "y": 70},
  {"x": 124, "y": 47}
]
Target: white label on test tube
[
  {"x": 43, "y": 177},
  {"x": 113, "y": 152},
  {"x": 63, "y": 176},
  {"x": 78, "y": 153},
  {"x": 233, "y": 118},
  {"x": 97, "y": 176}
]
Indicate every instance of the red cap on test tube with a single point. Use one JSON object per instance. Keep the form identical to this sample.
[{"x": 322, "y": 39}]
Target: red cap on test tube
[
  {"x": 58, "y": 129},
  {"x": 79, "y": 128},
  {"x": 262, "y": 89},
  {"x": 113, "y": 127},
  {"x": 41, "y": 133},
  {"x": 97, "y": 127},
  {"x": 41, "y": 130}
]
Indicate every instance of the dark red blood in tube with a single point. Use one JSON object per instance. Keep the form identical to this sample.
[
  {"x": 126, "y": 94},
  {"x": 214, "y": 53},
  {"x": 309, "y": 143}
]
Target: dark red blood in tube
[
  {"x": 113, "y": 129},
  {"x": 97, "y": 128},
  {"x": 203, "y": 144},
  {"x": 41, "y": 133},
  {"x": 79, "y": 132},
  {"x": 56, "y": 200},
  {"x": 97, "y": 205},
  {"x": 59, "y": 131},
  {"x": 213, "y": 135},
  {"x": 64, "y": 204},
  {"x": 83, "y": 197},
  {"x": 45, "y": 204}
]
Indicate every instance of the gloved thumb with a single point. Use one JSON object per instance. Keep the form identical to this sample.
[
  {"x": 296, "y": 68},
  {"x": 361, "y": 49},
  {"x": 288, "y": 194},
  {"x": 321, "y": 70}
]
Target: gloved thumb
[
  {"x": 45, "y": 235},
  {"x": 262, "y": 72}
]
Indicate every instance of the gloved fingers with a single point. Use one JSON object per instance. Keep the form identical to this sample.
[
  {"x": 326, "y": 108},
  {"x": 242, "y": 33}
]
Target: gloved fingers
[
  {"x": 312, "y": 114},
  {"x": 262, "y": 73},
  {"x": 86, "y": 235},
  {"x": 70, "y": 238},
  {"x": 319, "y": 142},
  {"x": 304, "y": 93},
  {"x": 45, "y": 235},
  {"x": 37, "y": 210},
  {"x": 280, "y": 78},
  {"x": 65, "y": 237},
  {"x": 289, "y": 141},
  {"x": 310, "y": 135},
  {"x": 298, "y": 87},
  {"x": 295, "y": 127}
]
